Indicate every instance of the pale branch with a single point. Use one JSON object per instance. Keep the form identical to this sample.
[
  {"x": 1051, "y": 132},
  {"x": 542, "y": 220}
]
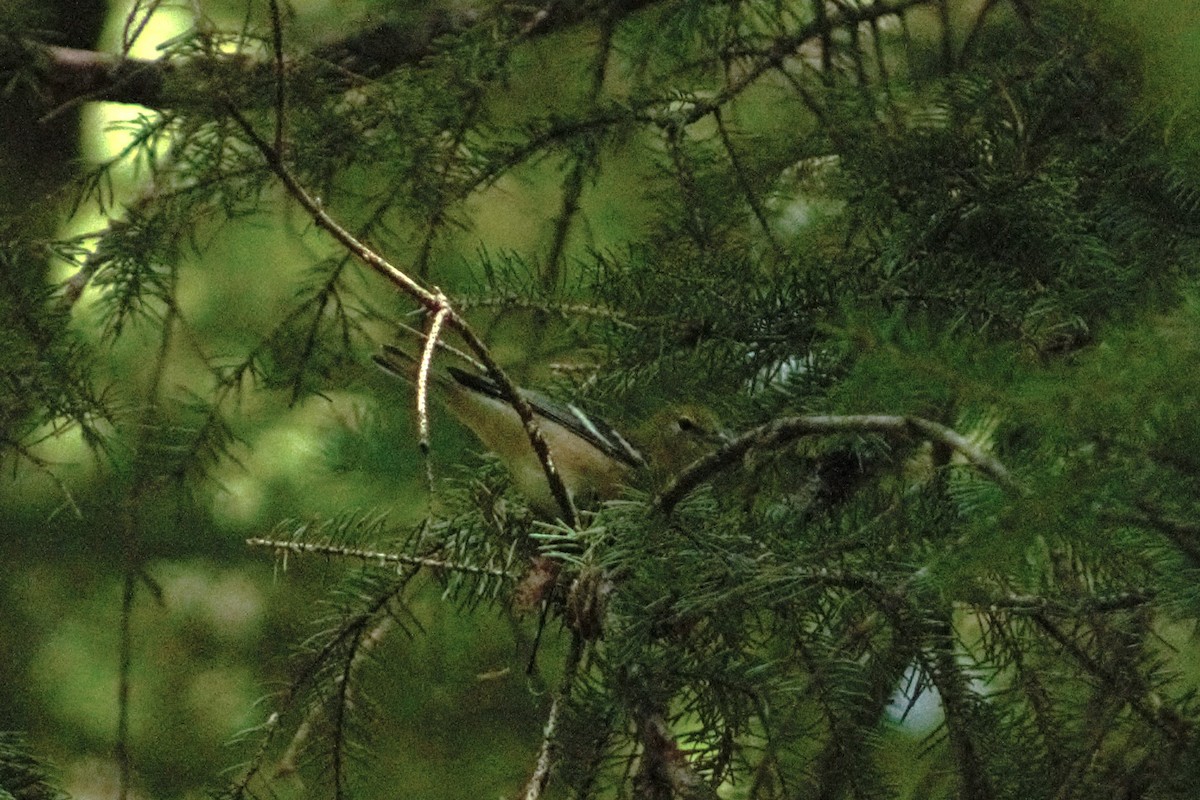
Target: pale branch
[
  {"x": 1073, "y": 607},
  {"x": 548, "y": 752},
  {"x": 780, "y": 432},
  {"x": 978, "y": 457},
  {"x": 431, "y": 341},
  {"x": 377, "y": 556}
]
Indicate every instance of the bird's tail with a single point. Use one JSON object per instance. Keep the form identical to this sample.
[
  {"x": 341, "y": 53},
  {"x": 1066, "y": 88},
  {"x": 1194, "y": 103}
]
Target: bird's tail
[{"x": 401, "y": 363}]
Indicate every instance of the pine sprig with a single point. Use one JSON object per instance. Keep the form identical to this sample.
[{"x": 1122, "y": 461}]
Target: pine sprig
[{"x": 23, "y": 776}]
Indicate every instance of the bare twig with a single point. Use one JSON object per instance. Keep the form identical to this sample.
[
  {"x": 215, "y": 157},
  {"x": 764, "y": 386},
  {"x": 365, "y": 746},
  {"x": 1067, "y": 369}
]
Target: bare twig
[
  {"x": 134, "y": 27},
  {"x": 72, "y": 288},
  {"x": 431, "y": 341},
  {"x": 782, "y": 431}
]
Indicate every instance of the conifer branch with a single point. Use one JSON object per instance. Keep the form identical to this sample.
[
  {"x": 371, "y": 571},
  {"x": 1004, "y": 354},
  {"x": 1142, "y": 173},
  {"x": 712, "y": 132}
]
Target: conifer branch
[
  {"x": 366, "y": 639},
  {"x": 681, "y": 115},
  {"x": 430, "y": 300},
  {"x": 1073, "y": 607},
  {"x": 133, "y": 571},
  {"x": 1145, "y": 701},
  {"x": 572, "y": 185},
  {"x": 747, "y": 188},
  {"x": 346, "y": 637},
  {"x": 685, "y": 179},
  {"x": 962, "y": 720},
  {"x": 280, "y": 83},
  {"x": 780, "y": 432},
  {"x": 22, "y": 775},
  {"x": 891, "y": 591},
  {"x": 923, "y": 183},
  {"x": 439, "y": 215},
  {"x": 377, "y": 556},
  {"x": 41, "y": 465},
  {"x": 73, "y": 75},
  {"x": 1184, "y": 535},
  {"x": 564, "y": 310}
]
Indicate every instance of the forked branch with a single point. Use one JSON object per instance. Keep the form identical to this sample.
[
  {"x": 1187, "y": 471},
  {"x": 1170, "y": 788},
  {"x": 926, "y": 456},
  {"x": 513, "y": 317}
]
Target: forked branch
[{"x": 433, "y": 302}]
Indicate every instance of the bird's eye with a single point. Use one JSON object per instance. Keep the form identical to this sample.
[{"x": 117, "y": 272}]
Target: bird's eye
[{"x": 688, "y": 425}]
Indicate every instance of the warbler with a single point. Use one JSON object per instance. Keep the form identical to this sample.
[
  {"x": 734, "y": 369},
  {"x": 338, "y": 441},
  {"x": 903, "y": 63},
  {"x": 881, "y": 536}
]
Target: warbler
[{"x": 593, "y": 458}]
